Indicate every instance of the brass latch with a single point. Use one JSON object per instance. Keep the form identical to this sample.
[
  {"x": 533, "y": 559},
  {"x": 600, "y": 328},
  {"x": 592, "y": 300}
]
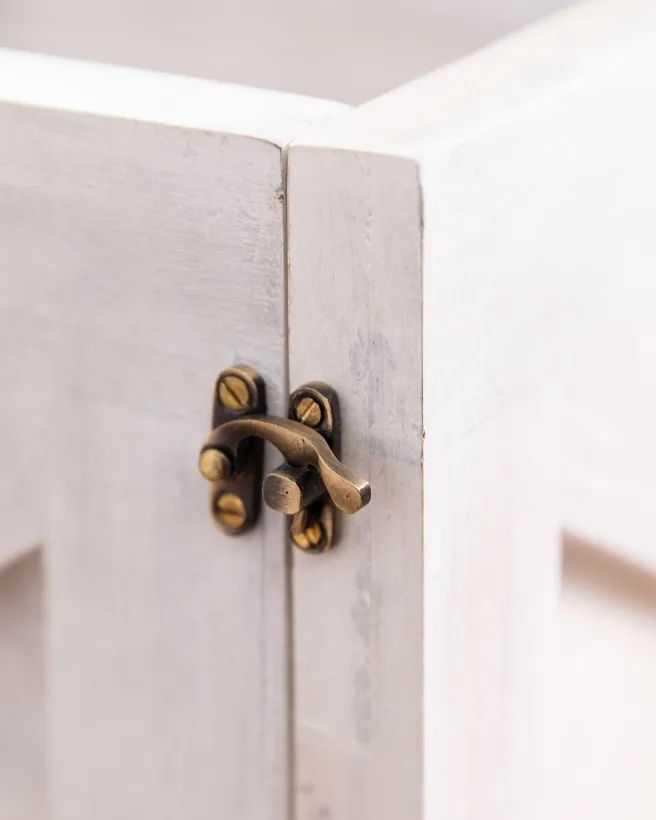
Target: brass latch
[{"x": 310, "y": 481}]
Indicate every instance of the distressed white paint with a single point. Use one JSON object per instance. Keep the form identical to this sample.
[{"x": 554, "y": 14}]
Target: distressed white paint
[
  {"x": 471, "y": 261},
  {"x": 142, "y": 243},
  {"x": 494, "y": 219},
  {"x": 354, "y": 318}
]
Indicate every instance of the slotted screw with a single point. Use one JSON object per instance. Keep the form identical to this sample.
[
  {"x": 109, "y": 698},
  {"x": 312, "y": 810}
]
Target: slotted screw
[
  {"x": 213, "y": 464},
  {"x": 231, "y": 510},
  {"x": 308, "y": 411},
  {"x": 309, "y": 537},
  {"x": 234, "y": 392}
]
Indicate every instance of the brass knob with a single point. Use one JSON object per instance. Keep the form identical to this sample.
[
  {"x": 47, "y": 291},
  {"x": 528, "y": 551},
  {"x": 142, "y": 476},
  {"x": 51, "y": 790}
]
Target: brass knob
[
  {"x": 292, "y": 489},
  {"x": 213, "y": 464}
]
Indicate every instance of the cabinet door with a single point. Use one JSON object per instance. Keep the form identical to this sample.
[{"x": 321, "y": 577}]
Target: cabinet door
[
  {"x": 142, "y": 246},
  {"x": 471, "y": 258}
]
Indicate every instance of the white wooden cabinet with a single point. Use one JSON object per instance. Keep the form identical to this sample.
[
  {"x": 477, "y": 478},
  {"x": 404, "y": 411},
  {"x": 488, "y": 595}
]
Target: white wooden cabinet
[{"x": 469, "y": 260}]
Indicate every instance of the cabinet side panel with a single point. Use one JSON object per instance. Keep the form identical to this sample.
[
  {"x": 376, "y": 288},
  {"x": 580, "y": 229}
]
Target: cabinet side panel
[
  {"x": 539, "y": 302},
  {"x": 537, "y": 179},
  {"x": 355, "y": 321}
]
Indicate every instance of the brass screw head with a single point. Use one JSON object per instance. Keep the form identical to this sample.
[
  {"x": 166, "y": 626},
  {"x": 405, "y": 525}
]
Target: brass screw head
[
  {"x": 234, "y": 392},
  {"x": 213, "y": 465},
  {"x": 308, "y": 411},
  {"x": 231, "y": 510},
  {"x": 309, "y": 537}
]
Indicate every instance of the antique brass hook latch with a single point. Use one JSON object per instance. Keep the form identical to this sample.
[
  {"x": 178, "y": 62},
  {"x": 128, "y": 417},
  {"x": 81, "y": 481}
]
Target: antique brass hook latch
[{"x": 310, "y": 483}]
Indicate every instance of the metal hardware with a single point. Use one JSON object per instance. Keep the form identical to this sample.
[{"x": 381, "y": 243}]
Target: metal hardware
[
  {"x": 231, "y": 511},
  {"x": 308, "y": 411},
  {"x": 307, "y": 486}
]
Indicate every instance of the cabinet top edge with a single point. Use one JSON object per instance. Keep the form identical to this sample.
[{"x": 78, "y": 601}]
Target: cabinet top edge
[
  {"x": 123, "y": 92},
  {"x": 475, "y": 93}
]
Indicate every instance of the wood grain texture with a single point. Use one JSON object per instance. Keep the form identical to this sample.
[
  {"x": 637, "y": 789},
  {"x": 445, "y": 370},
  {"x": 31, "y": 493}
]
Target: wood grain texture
[
  {"x": 140, "y": 258},
  {"x": 355, "y": 321},
  {"x": 516, "y": 191}
]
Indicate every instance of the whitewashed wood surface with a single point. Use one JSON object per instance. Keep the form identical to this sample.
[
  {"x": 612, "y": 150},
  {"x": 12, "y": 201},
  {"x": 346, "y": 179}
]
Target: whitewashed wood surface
[
  {"x": 143, "y": 251},
  {"x": 355, "y": 321},
  {"x": 470, "y": 265},
  {"x": 490, "y": 227}
]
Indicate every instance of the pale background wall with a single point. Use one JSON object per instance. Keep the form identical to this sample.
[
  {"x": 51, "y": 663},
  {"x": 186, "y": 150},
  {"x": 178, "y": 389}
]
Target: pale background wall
[{"x": 318, "y": 48}]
